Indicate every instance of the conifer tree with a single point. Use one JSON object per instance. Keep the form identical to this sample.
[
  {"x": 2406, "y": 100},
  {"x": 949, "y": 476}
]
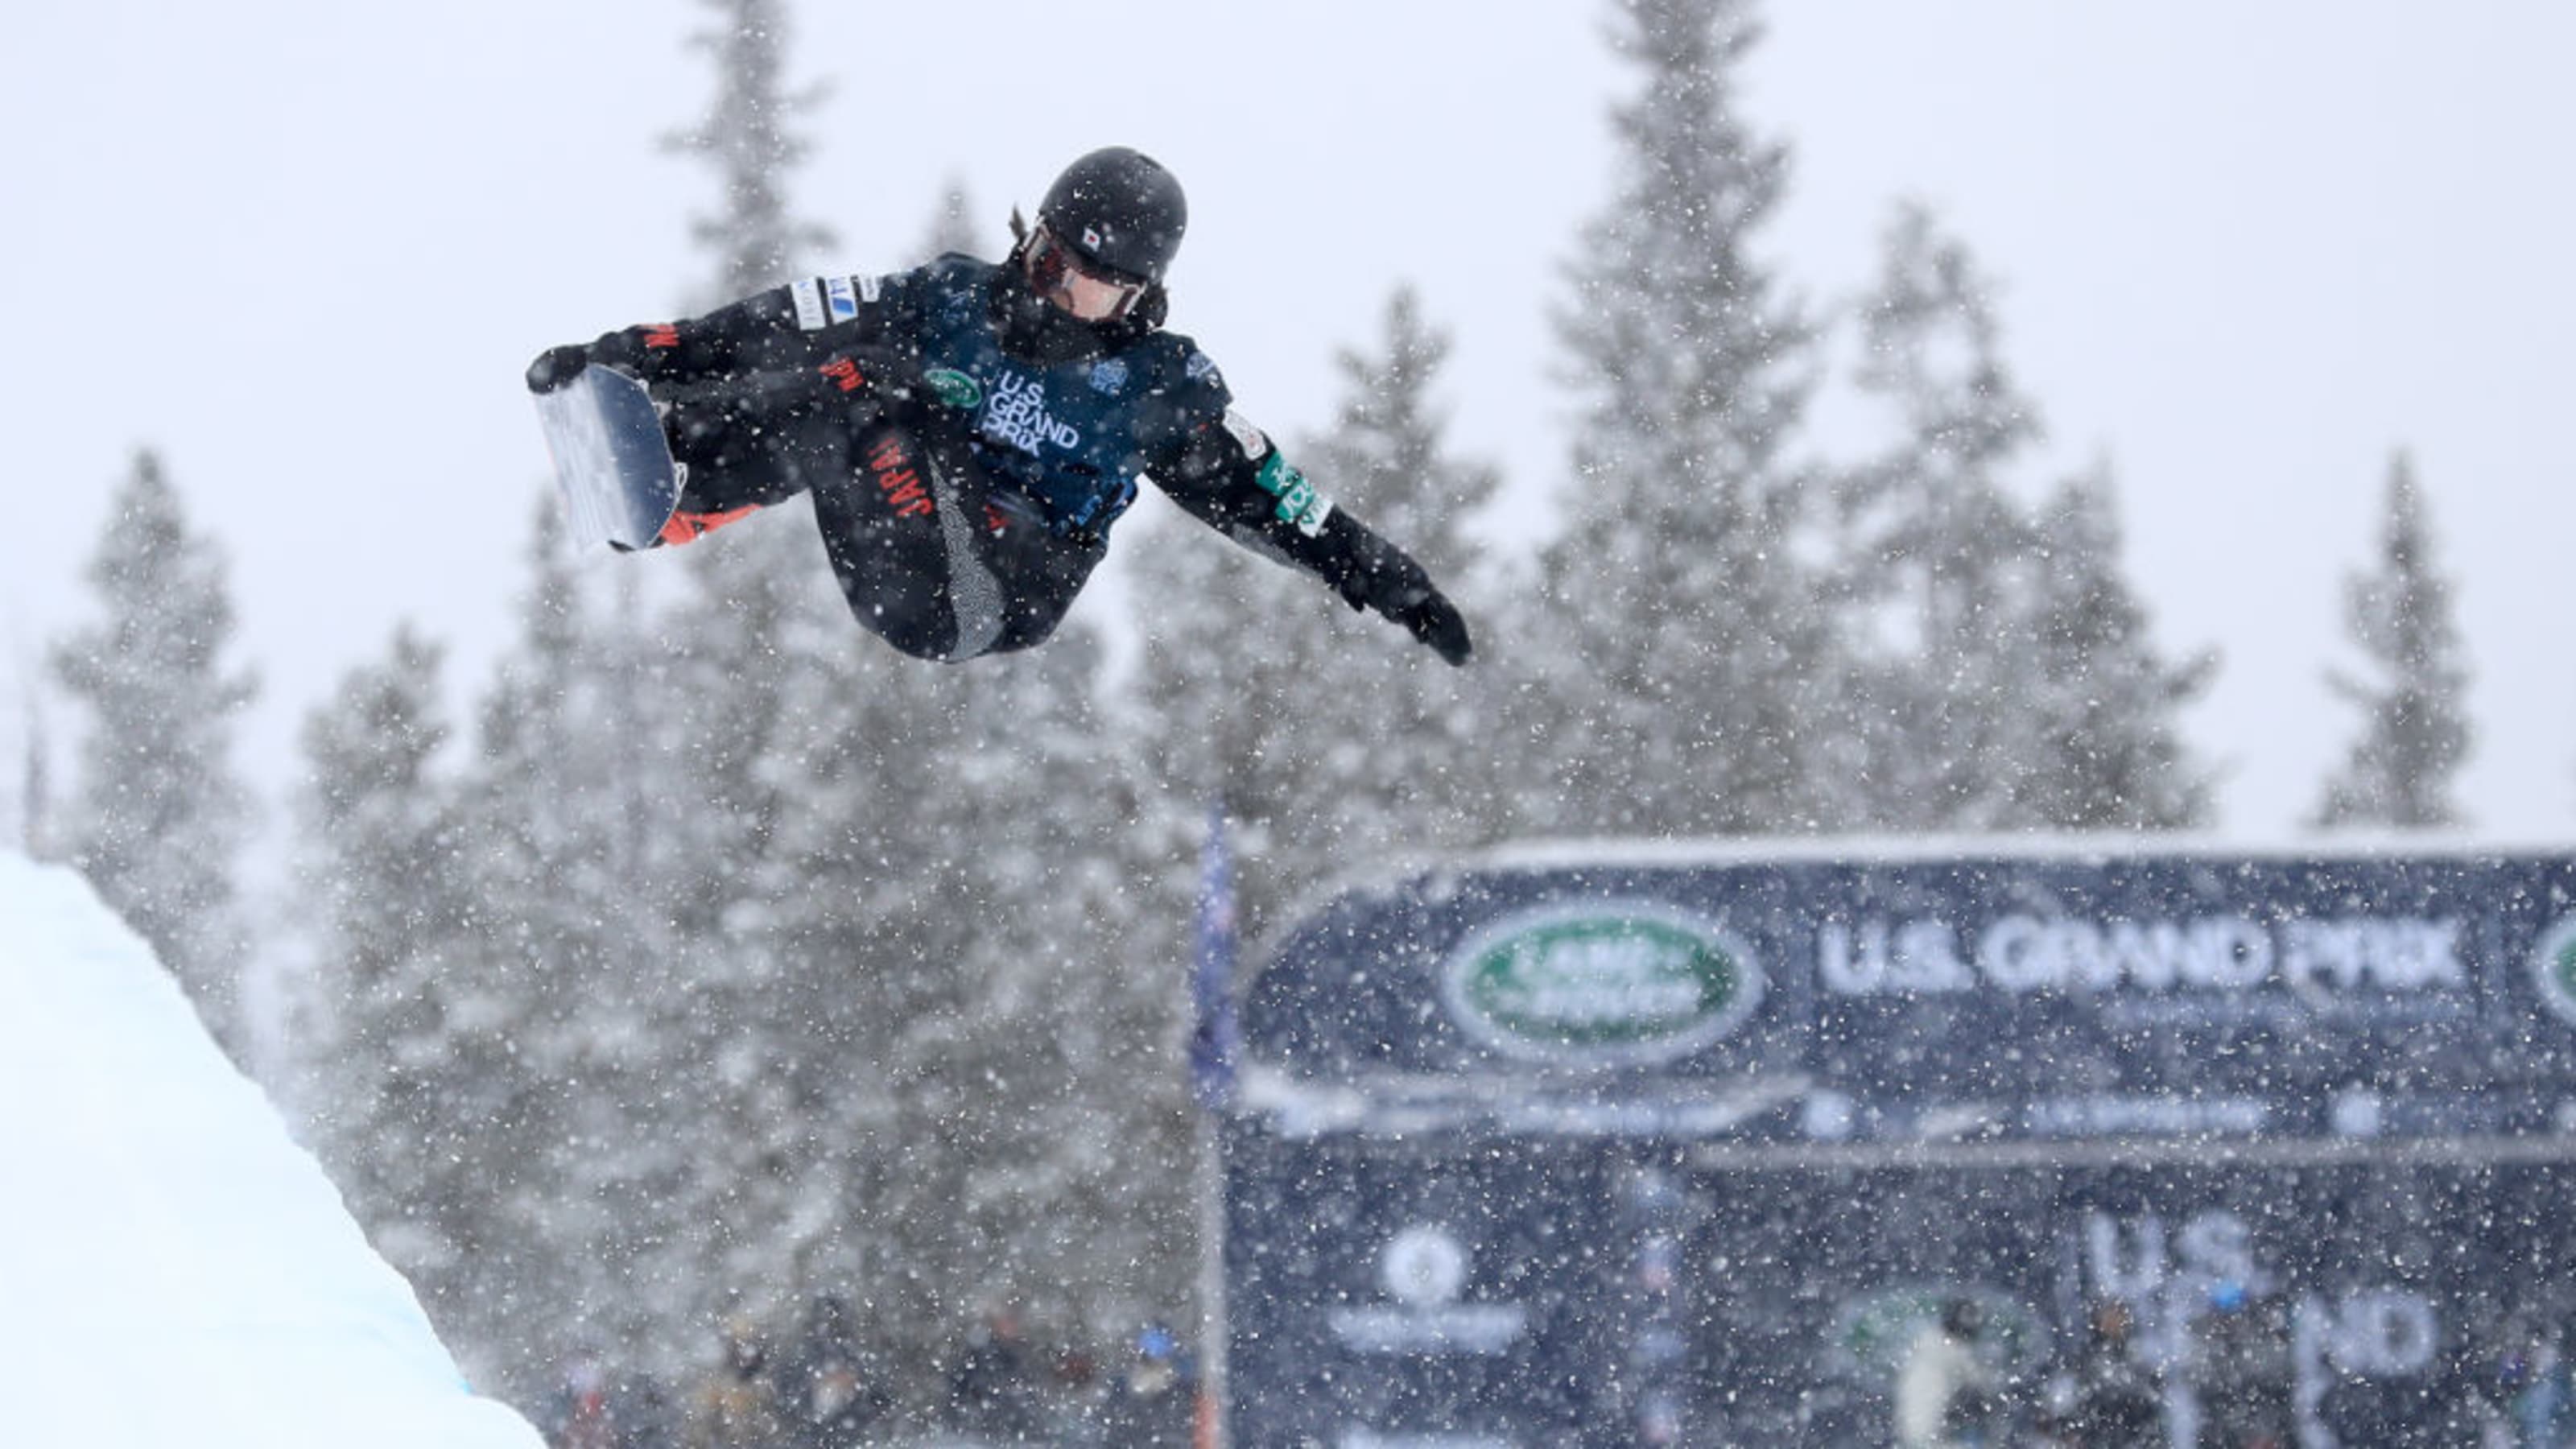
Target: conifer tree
[
  {"x": 2104, "y": 748},
  {"x": 1684, "y": 659},
  {"x": 606, "y": 1040},
  {"x": 383, "y": 1015},
  {"x": 1332, "y": 741},
  {"x": 753, "y": 591},
  {"x": 756, "y": 593},
  {"x": 159, "y": 815},
  {"x": 1038, "y": 1083},
  {"x": 1214, "y": 699},
  {"x": 1329, "y": 737},
  {"x": 729, "y": 631},
  {"x": 1937, "y": 552},
  {"x": 493, "y": 960},
  {"x": 554, "y": 1113},
  {"x": 873, "y": 1098},
  {"x": 1999, "y": 676},
  {"x": 789, "y": 735},
  {"x": 2413, "y": 697},
  {"x": 745, "y": 137},
  {"x": 1397, "y": 757}
]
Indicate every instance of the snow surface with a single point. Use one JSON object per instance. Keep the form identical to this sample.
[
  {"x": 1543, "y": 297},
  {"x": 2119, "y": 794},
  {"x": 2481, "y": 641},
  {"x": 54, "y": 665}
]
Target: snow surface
[{"x": 174, "y": 1270}]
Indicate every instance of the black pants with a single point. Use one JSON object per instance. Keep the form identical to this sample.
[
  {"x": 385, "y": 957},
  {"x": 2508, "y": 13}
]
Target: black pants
[{"x": 935, "y": 555}]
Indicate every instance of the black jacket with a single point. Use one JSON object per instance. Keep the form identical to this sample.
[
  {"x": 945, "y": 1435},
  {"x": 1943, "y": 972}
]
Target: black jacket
[{"x": 1061, "y": 418}]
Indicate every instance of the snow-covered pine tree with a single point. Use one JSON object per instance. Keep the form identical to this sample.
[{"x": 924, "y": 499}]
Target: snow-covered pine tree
[
  {"x": 158, "y": 815},
  {"x": 562, "y": 1150},
  {"x": 870, "y": 1067},
  {"x": 2413, "y": 697},
  {"x": 759, "y": 674},
  {"x": 1936, "y": 553},
  {"x": 1401, "y": 750},
  {"x": 732, "y": 646},
  {"x": 1213, "y": 700},
  {"x": 1676, "y": 625},
  {"x": 752, "y": 614},
  {"x": 618, "y": 879},
  {"x": 1331, "y": 738},
  {"x": 1190, "y": 695},
  {"x": 1038, "y": 1155},
  {"x": 378, "y": 1032},
  {"x": 754, "y": 231},
  {"x": 749, "y": 620},
  {"x": 2104, "y": 747}
]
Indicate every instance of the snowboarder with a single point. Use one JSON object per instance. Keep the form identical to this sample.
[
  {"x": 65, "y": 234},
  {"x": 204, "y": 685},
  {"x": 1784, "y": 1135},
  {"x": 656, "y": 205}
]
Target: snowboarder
[{"x": 970, "y": 431}]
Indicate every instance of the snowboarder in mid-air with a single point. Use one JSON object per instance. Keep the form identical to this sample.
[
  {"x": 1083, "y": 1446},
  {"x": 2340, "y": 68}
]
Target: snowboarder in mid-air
[{"x": 970, "y": 431}]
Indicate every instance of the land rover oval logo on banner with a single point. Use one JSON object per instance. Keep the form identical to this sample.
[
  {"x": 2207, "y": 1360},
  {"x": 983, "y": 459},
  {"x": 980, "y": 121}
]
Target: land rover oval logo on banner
[
  {"x": 1608, "y": 983},
  {"x": 2555, "y": 963}
]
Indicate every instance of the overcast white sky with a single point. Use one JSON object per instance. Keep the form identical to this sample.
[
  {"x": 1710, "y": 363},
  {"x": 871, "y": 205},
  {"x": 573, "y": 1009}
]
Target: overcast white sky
[{"x": 303, "y": 248}]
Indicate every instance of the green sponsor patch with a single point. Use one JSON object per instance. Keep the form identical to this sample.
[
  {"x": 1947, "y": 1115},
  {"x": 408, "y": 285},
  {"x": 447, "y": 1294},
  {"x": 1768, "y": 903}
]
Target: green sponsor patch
[
  {"x": 954, "y": 388},
  {"x": 1299, "y": 503}
]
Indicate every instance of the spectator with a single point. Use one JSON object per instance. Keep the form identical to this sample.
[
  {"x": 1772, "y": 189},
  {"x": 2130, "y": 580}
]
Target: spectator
[
  {"x": 2247, "y": 1390},
  {"x": 1944, "y": 1391},
  {"x": 2114, "y": 1404},
  {"x": 642, "y": 1407},
  {"x": 735, "y": 1408},
  {"x": 1075, "y": 1392},
  {"x": 990, "y": 1392},
  {"x": 1154, "y": 1403},
  {"x": 577, "y": 1414},
  {"x": 825, "y": 1394}
]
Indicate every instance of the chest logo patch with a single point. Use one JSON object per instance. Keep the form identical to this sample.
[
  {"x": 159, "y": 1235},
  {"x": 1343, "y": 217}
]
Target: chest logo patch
[{"x": 1017, "y": 414}]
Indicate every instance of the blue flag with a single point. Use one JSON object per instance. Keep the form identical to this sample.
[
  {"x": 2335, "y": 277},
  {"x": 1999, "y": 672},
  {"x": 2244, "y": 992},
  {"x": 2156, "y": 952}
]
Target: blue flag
[{"x": 1215, "y": 1037}]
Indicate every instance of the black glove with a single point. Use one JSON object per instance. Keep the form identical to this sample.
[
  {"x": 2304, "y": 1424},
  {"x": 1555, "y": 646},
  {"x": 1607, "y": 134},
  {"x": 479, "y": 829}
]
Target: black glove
[
  {"x": 1436, "y": 622},
  {"x": 556, "y": 367},
  {"x": 1385, "y": 578}
]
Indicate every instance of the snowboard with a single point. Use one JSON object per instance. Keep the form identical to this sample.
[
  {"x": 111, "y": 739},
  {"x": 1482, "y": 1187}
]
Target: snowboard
[{"x": 612, "y": 462}]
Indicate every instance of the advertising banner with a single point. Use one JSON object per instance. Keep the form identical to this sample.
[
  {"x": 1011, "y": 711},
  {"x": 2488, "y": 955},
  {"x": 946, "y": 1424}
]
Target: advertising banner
[{"x": 1665, "y": 1151}]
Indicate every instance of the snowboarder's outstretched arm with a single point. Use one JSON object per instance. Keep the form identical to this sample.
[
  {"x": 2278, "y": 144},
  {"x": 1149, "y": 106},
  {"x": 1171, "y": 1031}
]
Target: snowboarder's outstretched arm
[
  {"x": 1234, "y": 479},
  {"x": 785, "y": 329},
  {"x": 723, "y": 343},
  {"x": 762, "y": 359}
]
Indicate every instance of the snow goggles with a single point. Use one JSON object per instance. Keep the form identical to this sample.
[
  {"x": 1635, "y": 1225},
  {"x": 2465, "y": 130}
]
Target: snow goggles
[{"x": 1081, "y": 286}]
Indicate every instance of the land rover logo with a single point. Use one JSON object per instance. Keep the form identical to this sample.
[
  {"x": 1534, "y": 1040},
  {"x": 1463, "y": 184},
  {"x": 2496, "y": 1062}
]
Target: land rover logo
[
  {"x": 954, "y": 388},
  {"x": 1601, "y": 984},
  {"x": 2555, "y": 964}
]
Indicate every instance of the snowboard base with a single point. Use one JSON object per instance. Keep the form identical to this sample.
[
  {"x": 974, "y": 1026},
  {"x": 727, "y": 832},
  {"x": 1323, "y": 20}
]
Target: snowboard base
[{"x": 612, "y": 463}]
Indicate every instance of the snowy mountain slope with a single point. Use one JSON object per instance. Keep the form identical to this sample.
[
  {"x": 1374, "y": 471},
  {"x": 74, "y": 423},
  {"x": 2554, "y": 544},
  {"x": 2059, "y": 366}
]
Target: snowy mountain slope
[{"x": 173, "y": 1268}]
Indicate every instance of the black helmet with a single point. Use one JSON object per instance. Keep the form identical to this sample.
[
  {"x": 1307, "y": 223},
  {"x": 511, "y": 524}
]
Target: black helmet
[{"x": 1119, "y": 208}]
